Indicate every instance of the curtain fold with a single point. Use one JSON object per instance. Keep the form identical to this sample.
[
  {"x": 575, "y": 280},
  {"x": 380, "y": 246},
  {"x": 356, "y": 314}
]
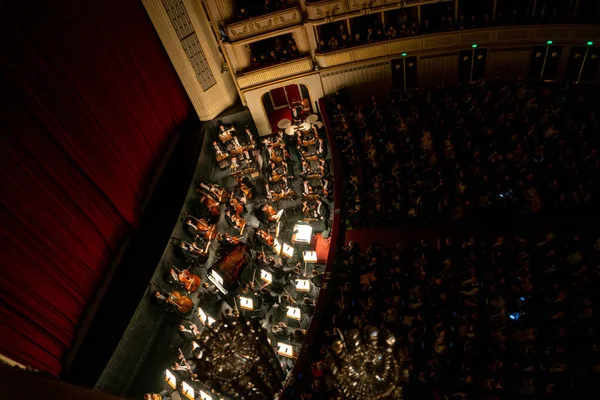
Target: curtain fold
[{"x": 89, "y": 103}]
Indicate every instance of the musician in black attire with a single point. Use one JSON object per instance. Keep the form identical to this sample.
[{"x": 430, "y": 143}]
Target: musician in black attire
[{"x": 188, "y": 333}]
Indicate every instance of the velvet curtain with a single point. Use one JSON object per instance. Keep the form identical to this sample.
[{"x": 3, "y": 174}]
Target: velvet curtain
[{"x": 89, "y": 103}]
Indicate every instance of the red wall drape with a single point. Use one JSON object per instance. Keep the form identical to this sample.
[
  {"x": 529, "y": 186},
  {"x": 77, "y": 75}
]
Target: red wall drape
[
  {"x": 278, "y": 96},
  {"x": 89, "y": 102},
  {"x": 293, "y": 94}
]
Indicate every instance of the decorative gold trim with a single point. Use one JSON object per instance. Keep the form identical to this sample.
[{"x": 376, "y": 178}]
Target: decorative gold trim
[{"x": 263, "y": 24}]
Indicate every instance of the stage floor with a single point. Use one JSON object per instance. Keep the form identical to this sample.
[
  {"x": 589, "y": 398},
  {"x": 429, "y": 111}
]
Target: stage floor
[{"x": 162, "y": 349}]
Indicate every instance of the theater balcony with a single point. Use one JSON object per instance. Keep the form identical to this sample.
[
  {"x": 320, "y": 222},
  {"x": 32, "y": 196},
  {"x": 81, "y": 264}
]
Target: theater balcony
[
  {"x": 333, "y": 10},
  {"x": 488, "y": 37},
  {"x": 275, "y": 72},
  {"x": 263, "y": 24}
]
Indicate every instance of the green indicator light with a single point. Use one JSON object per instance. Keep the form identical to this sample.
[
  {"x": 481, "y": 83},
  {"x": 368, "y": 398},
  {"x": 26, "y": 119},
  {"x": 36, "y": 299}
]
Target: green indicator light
[
  {"x": 590, "y": 43},
  {"x": 473, "y": 45},
  {"x": 549, "y": 42},
  {"x": 403, "y": 54}
]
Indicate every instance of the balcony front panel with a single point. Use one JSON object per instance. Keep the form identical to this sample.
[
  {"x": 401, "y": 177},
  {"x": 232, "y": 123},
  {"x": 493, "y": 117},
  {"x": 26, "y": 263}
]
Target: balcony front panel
[
  {"x": 275, "y": 72},
  {"x": 325, "y": 9},
  {"x": 456, "y": 39},
  {"x": 264, "y": 24},
  {"x": 357, "y": 5},
  {"x": 334, "y": 58}
]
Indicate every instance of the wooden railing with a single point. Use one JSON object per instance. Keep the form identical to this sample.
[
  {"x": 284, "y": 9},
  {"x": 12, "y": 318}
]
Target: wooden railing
[
  {"x": 263, "y": 24},
  {"x": 275, "y": 72},
  {"x": 532, "y": 34},
  {"x": 327, "y": 10}
]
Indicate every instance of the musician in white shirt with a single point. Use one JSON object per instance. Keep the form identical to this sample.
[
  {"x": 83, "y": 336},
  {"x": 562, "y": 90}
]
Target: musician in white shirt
[{"x": 306, "y": 188}]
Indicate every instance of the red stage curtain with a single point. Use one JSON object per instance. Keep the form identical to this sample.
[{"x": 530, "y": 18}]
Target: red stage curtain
[
  {"x": 293, "y": 94},
  {"x": 279, "y": 99},
  {"x": 90, "y": 100}
]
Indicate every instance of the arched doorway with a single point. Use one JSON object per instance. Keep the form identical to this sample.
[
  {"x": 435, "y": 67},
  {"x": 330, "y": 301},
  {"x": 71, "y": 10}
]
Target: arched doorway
[{"x": 278, "y": 102}]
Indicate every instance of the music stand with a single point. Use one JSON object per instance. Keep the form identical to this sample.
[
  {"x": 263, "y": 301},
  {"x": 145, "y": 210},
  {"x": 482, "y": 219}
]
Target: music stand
[
  {"x": 187, "y": 391},
  {"x": 246, "y": 303},
  {"x": 294, "y": 313},
  {"x": 170, "y": 379},
  {"x": 286, "y": 350}
]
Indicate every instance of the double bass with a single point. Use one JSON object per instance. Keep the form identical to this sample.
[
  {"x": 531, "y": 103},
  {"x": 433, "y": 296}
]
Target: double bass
[
  {"x": 264, "y": 235},
  {"x": 181, "y": 303},
  {"x": 190, "y": 281}
]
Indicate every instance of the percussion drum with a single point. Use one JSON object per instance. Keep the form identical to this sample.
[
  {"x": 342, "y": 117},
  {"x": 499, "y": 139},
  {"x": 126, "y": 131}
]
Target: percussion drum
[
  {"x": 284, "y": 123},
  {"x": 312, "y": 118},
  {"x": 305, "y": 126},
  {"x": 290, "y": 130}
]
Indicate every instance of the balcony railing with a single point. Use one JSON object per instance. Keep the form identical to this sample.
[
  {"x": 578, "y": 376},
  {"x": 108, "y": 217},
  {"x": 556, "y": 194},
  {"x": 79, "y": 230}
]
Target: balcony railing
[
  {"x": 264, "y": 24},
  {"x": 275, "y": 72},
  {"x": 329, "y": 9},
  {"x": 486, "y": 36}
]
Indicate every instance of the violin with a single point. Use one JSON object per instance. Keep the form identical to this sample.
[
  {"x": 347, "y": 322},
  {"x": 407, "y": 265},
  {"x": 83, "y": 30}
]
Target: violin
[
  {"x": 190, "y": 281},
  {"x": 269, "y": 210},
  {"x": 238, "y": 208},
  {"x": 264, "y": 235},
  {"x": 245, "y": 189},
  {"x": 228, "y": 239},
  {"x": 182, "y": 303},
  {"x": 239, "y": 223}
]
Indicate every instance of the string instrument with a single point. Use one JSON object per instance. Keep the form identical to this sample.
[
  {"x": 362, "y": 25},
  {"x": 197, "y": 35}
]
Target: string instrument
[
  {"x": 227, "y": 238},
  {"x": 237, "y": 206},
  {"x": 245, "y": 189},
  {"x": 190, "y": 281},
  {"x": 269, "y": 210},
  {"x": 264, "y": 235},
  {"x": 182, "y": 303},
  {"x": 203, "y": 226},
  {"x": 238, "y": 222},
  {"x": 211, "y": 204},
  {"x": 215, "y": 191},
  {"x": 191, "y": 247}
]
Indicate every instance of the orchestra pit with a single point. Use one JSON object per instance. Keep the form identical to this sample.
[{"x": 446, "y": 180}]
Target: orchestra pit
[{"x": 300, "y": 199}]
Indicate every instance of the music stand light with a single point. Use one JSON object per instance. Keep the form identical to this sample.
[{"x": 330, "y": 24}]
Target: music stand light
[
  {"x": 217, "y": 280},
  {"x": 187, "y": 391},
  {"x": 302, "y": 285},
  {"x": 205, "y": 318},
  {"x": 286, "y": 350},
  {"x": 277, "y": 245},
  {"x": 302, "y": 234},
  {"x": 246, "y": 303},
  {"x": 170, "y": 379},
  {"x": 266, "y": 276},
  {"x": 294, "y": 313},
  {"x": 310, "y": 257},
  {"x": 287, "y": 251}
]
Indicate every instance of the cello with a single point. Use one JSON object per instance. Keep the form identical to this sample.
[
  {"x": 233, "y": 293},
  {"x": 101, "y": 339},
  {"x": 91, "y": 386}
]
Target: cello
[
  {"x": 190, "y": 281},
  {"x": 181, "y": 303}
]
